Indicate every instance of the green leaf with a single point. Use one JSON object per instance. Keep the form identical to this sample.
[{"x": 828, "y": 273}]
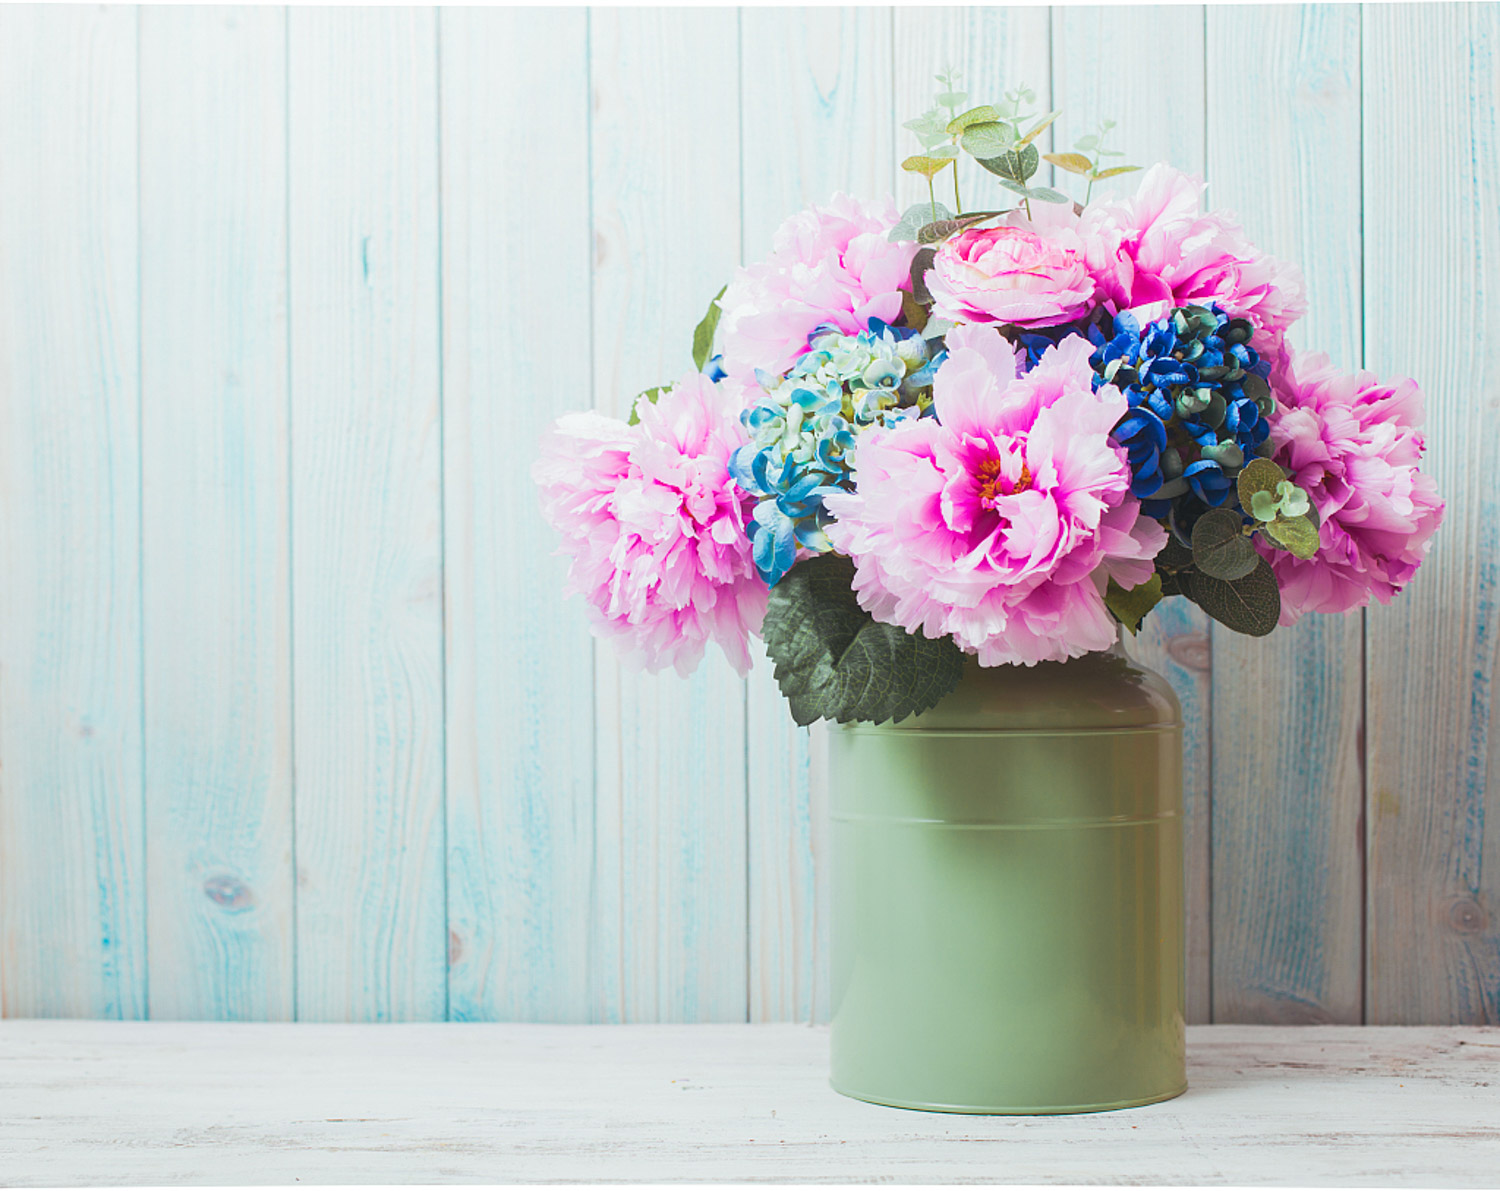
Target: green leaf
[
  {"x": 928, "y": 127},
  {"x": 1040, "y": 127},
  {"x": 915, "y": 218},
  {"x": 1220, "y": 547},
  {"x": 834, "y": 661},
  {"x": 1048, "y": 195},
  {"x": 952, "y": 99},
  {"x": 933, "y": 232},
  {"x": 1114, "y": 170},
  {"x": 1251, "y": 605},
  {"x": 1297, "y": 534},
  {"x": 927, "y": 166},
  {"x": 1259, "y": 475},
  {"x": 703, "y": 333},
  {"x": 1014, "y": 187},
  {"x": 984, "y": 114},
  {"x": 1174, "y": 555},
  {"x": 1087, "y": 144},
  {"x": 1016, "y": 164},
  {"x": 1074, "y": 163},
  {"x": 987, "y": 140},
  {"x": 1130, "y": 606},
  {"x": 648, "y": 395}
]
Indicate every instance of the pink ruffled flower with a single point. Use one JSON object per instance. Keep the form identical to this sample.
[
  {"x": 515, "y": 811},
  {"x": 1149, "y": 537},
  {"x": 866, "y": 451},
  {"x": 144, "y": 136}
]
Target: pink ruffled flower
[
  {"x": 1011, "y": 274},
  {"x": 1000, "y": 520},
  {"x": 655, "y": 526},
  {"x": 1160, "y": 249},
  {"x": 829, "y": 265},
  {"x": 1351, "y": 442}
]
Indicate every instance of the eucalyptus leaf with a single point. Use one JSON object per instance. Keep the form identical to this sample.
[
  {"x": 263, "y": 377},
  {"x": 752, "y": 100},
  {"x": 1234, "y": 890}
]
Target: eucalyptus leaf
[
  {"x": 1114, "y": 170},
  {"x": 933, "y": 232},
  {"x": 1130, "y": 605},
  {"x": 987, "y": 140},
  {"x": 1074, "y": 163},
  {"x": 1014, "y": 187},
  {"x": 1040, "y": 127},
  {"x": 1221, "y": 549},
  {"x": 1251, "y": 605},
  {"x": 703, "y": 333},
  {"x": 1016, "y": 164},
  {"x": 927, "y": 166},
  {"x": 984, "y": 114},
  {"x": 1259, "y": 475},
  {"x": 920, "y": 263},
  {"x": 915, "y": 218},
  {"x": 1297, "y": 534},
  {"x": 951, "y": 99},
  {"x": 1048, "y": 195},
  {"x": 834, "y": 661}
]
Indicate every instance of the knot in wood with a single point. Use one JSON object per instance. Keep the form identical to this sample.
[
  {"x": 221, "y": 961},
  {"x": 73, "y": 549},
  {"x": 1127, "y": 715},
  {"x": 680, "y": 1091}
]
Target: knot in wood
[{"x": 1467, "y": 916}]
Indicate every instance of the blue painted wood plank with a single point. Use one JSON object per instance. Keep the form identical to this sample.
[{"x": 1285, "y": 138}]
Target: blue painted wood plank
[
  {"x": 72, "y": 894},
  {"x": 366, "y": 514},
  {"x": 1288, "y": 786},
  {"x": 215, "y": 541},
  {"x": 1432, "y": 252},
  {"x": 520, "y": 702},
  {"x": 820, "y": 90},
  {"x": 1090, "y": 83},
  {"x": 669, "y": 932}
]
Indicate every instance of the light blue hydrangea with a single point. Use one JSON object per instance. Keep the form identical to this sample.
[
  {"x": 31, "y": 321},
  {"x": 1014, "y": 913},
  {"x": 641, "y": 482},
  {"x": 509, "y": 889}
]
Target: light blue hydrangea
[{"x": 804, "y": 429}]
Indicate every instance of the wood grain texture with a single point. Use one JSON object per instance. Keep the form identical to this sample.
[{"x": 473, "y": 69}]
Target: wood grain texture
[
  {"x": 1288, "y": 784},
  {"x": 72, "y": 892},
  {"x": 366, "y": 513},
  {"x": 215, "y": 539},
  {"x": 670, "y": 902},
  {"x": 111, "y": 1103},
  {"x": 1089, "y": 84},
  {"x": 1431, "y": 257},
  {"x": 818, "y": 103},
  {"x": 520, "y": 726},
  {"x": 995, "y": 49}
]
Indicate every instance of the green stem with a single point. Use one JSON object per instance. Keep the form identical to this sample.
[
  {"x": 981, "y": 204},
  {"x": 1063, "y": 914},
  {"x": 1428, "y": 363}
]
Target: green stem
[
  {"x": 932, "y": 198},
  {"x": 958, "y": 206},
  {"x": 1088, "y": 193}
]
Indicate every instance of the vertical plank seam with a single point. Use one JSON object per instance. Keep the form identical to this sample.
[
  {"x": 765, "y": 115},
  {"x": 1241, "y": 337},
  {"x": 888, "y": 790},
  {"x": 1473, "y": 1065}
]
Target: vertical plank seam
[
  {"x": 437, "y": 85},
  {"x": 597, "y": 1009},
  {"x": 739, "y": 58},
  {"x": 1364, "y": 619},
  {"x": 140, "y": 534},
  {"x": 1208, "y": 801},
  {"x": 291, "y": 471}
]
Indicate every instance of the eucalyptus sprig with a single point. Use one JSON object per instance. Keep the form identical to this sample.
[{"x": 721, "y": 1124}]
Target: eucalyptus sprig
[{"x": 1078, "y": 162}]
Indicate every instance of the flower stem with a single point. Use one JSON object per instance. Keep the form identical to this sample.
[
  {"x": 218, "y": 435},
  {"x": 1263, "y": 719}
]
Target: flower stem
[
  {"x": 932, "y": 198},
  {"x": 958, "y": 206}
]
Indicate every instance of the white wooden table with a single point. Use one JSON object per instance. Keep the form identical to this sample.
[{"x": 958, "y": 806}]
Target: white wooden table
[{"x": 96, "y": 1103}]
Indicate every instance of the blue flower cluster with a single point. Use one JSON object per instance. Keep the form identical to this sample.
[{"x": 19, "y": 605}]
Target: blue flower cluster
[
  {"x": 1199, "y": 401},
  {"x": 804, "y": 428}
]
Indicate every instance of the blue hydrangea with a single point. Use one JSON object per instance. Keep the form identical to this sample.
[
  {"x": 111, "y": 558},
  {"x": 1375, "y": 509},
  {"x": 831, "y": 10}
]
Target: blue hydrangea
[
  {"x": 1198, "y": 402},
  {"x": 804, "y": 428}
]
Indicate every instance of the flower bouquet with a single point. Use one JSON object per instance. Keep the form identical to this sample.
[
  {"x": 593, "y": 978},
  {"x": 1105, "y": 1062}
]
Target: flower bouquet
[{"x": 913, "y": 436}]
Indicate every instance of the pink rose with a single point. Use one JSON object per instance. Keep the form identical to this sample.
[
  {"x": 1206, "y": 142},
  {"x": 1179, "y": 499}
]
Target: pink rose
[{"x": 1011, "y": 275}]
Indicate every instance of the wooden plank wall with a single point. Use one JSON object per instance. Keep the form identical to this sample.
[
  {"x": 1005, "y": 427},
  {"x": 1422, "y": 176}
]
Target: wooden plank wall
[{"x": 293, "y": 720}]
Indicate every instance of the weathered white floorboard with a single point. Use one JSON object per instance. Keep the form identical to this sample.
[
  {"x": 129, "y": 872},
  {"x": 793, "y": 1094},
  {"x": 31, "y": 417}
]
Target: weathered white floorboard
[{"x": 119, "y": 1103}]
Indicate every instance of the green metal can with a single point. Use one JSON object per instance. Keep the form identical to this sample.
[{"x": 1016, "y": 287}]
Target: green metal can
[{"x": 1007, "y": 917}]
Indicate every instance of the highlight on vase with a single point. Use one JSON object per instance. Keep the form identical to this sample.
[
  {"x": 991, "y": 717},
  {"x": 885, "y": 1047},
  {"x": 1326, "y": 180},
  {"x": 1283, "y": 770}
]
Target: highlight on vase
[{"x": 912, "y": 436}]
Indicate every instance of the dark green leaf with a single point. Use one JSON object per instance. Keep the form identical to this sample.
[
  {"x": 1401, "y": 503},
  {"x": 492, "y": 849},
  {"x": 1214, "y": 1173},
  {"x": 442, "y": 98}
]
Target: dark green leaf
[
  {"x": 1220, "y": 547},
  {"x": 703, "y": 334},
  {"x": 649, "y": 395},
  {"x": 1251, "y": 605},
  {"x": 835, "y": 661},
  {"x": 1131, "y": 605},
  {"x": 1016, "y": 164}
]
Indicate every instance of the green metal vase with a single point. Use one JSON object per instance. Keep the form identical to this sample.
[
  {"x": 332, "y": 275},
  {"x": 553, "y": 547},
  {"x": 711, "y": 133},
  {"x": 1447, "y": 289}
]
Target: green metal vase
[{"x": 1007, "y": 917}]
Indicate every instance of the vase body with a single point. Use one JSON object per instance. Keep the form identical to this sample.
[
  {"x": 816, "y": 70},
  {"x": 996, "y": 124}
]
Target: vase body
[{"x": 1007, "y": 918}]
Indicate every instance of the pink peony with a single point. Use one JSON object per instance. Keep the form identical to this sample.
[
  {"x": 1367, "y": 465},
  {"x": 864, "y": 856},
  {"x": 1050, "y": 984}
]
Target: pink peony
[
  {"x": 1000, "y": 520},
  {"x": 1160, "y": 249},
  {"x": 655, "y": 527},
  {"x": 1011, "y": 274},
  {"x": 1352, "y": 444},
  {"x": 828, "y": 264}
]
